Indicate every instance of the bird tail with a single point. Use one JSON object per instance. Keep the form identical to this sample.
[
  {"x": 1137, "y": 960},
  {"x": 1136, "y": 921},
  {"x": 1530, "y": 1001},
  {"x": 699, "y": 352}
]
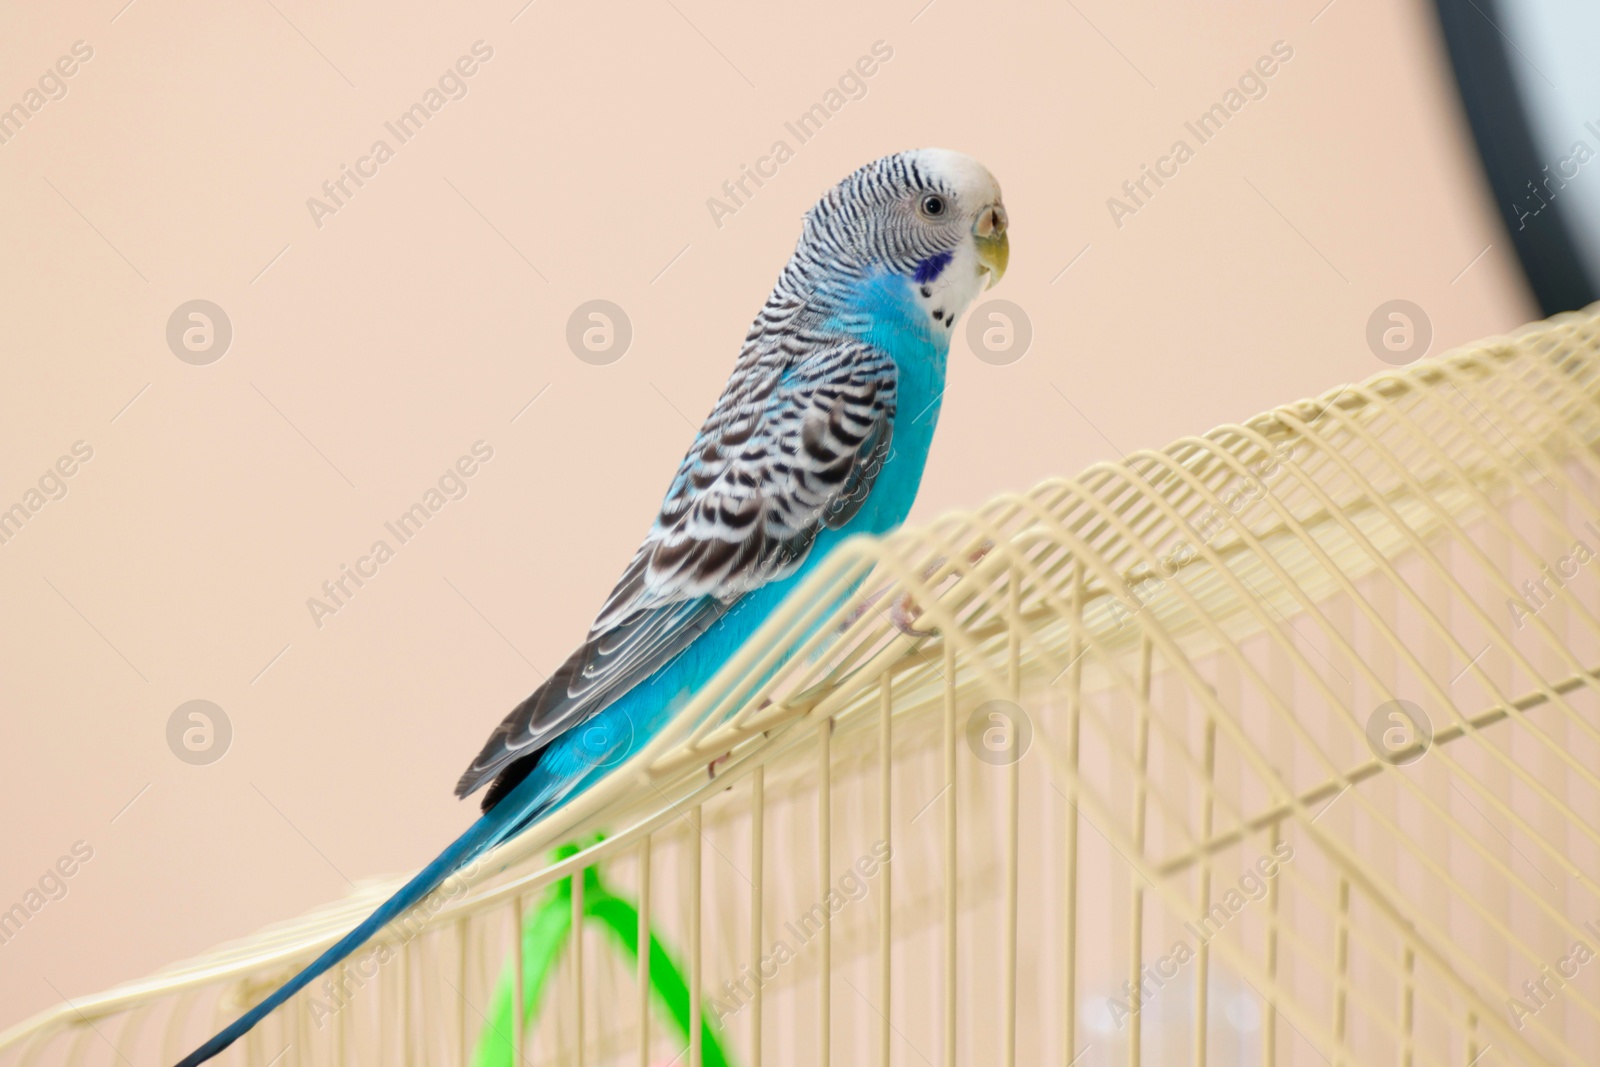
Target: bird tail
[{"x": 492, "y": 828}]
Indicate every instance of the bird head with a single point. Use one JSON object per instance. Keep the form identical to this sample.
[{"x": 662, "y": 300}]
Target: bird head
[{"x": 930, "y": 218}]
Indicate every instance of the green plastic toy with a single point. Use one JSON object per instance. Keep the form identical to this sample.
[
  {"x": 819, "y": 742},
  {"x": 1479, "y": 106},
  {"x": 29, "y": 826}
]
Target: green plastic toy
[{"x": 547, "y": 931}]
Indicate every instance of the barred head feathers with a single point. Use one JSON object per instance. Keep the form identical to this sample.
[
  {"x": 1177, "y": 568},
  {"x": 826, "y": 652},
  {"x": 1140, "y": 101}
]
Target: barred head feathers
[{"x": 931, "y": 216}]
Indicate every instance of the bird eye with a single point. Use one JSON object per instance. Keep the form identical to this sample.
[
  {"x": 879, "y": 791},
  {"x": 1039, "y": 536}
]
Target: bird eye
[{"x": 932, "y": 206}]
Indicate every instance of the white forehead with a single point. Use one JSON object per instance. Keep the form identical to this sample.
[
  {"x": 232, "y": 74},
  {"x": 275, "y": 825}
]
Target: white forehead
[{"x": 965, "y": 176}]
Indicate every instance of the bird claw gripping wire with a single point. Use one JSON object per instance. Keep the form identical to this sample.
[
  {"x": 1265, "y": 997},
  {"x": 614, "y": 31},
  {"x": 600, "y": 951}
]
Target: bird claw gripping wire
[{"x": 903, "y": 611}]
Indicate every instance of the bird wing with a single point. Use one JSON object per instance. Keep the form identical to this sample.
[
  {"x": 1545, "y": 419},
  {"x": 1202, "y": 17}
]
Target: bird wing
[{"x": 794, "y": 445}]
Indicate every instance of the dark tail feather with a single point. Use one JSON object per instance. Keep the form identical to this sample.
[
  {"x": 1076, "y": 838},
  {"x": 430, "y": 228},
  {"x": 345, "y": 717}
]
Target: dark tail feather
[{"x": 484, "y": 834}]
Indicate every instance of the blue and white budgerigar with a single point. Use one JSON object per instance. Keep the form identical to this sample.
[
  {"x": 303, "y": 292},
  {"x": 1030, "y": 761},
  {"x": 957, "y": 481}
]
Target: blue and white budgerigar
[{"x": 846, "y": 357}]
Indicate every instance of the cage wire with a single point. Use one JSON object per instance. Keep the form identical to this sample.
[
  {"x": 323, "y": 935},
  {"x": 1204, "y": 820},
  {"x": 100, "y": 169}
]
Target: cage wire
[{"x": 1277, "y": 746}]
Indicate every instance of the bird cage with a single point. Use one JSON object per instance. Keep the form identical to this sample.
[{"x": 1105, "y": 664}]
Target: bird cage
[{"x": 1277, "y": 746}]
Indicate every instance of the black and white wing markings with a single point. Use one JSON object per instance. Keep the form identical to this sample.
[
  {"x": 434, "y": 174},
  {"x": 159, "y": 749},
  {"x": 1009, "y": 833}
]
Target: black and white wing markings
[
  {"x": 794, "y": 445},
  {"x": 788, "y": 451},
  {"x": 606, "y": 665}
]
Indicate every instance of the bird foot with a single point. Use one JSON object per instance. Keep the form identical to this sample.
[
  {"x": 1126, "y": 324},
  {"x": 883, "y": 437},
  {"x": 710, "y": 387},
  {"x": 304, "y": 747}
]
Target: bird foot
[
  {"x": 903, "y": 613},
  {"x": 861, "y": 609}
]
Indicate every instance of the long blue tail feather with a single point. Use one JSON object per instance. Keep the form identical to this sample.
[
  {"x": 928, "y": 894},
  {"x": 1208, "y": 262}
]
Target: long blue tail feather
[
  {"x": 508, "y": 817},
  {"x": 571, "y": 764}
]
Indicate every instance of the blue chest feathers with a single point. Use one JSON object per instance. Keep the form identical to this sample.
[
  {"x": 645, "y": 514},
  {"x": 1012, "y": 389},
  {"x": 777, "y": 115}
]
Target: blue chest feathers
[{"x": 900, "y": 326}]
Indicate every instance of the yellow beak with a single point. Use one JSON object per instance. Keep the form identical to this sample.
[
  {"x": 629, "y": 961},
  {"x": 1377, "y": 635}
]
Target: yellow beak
[{"x": 994, "y": 247}]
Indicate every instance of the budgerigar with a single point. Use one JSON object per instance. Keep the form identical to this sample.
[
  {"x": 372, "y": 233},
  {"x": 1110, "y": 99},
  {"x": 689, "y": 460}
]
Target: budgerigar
[{"x": 822, "y": 432}]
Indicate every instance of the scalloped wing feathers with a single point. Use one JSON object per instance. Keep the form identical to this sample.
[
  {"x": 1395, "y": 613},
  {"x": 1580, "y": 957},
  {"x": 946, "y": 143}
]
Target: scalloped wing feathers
[{"x": 794, "y": 445}]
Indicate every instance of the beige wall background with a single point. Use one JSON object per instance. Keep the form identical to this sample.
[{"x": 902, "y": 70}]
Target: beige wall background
[{"x": 429, "y": 312}]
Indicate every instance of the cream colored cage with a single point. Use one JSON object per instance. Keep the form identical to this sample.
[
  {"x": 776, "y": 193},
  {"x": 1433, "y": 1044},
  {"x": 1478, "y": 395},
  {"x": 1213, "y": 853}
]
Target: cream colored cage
[{"x": 1278, "y": 746}]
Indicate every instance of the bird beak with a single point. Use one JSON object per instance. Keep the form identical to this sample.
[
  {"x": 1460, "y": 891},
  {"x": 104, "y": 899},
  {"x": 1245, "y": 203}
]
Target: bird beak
[{"x": 994, "y": 247}]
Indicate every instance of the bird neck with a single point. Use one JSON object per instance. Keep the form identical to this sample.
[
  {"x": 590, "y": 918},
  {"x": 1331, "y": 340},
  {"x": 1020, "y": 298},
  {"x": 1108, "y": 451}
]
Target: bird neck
[{"x": 881, "y": 309}]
